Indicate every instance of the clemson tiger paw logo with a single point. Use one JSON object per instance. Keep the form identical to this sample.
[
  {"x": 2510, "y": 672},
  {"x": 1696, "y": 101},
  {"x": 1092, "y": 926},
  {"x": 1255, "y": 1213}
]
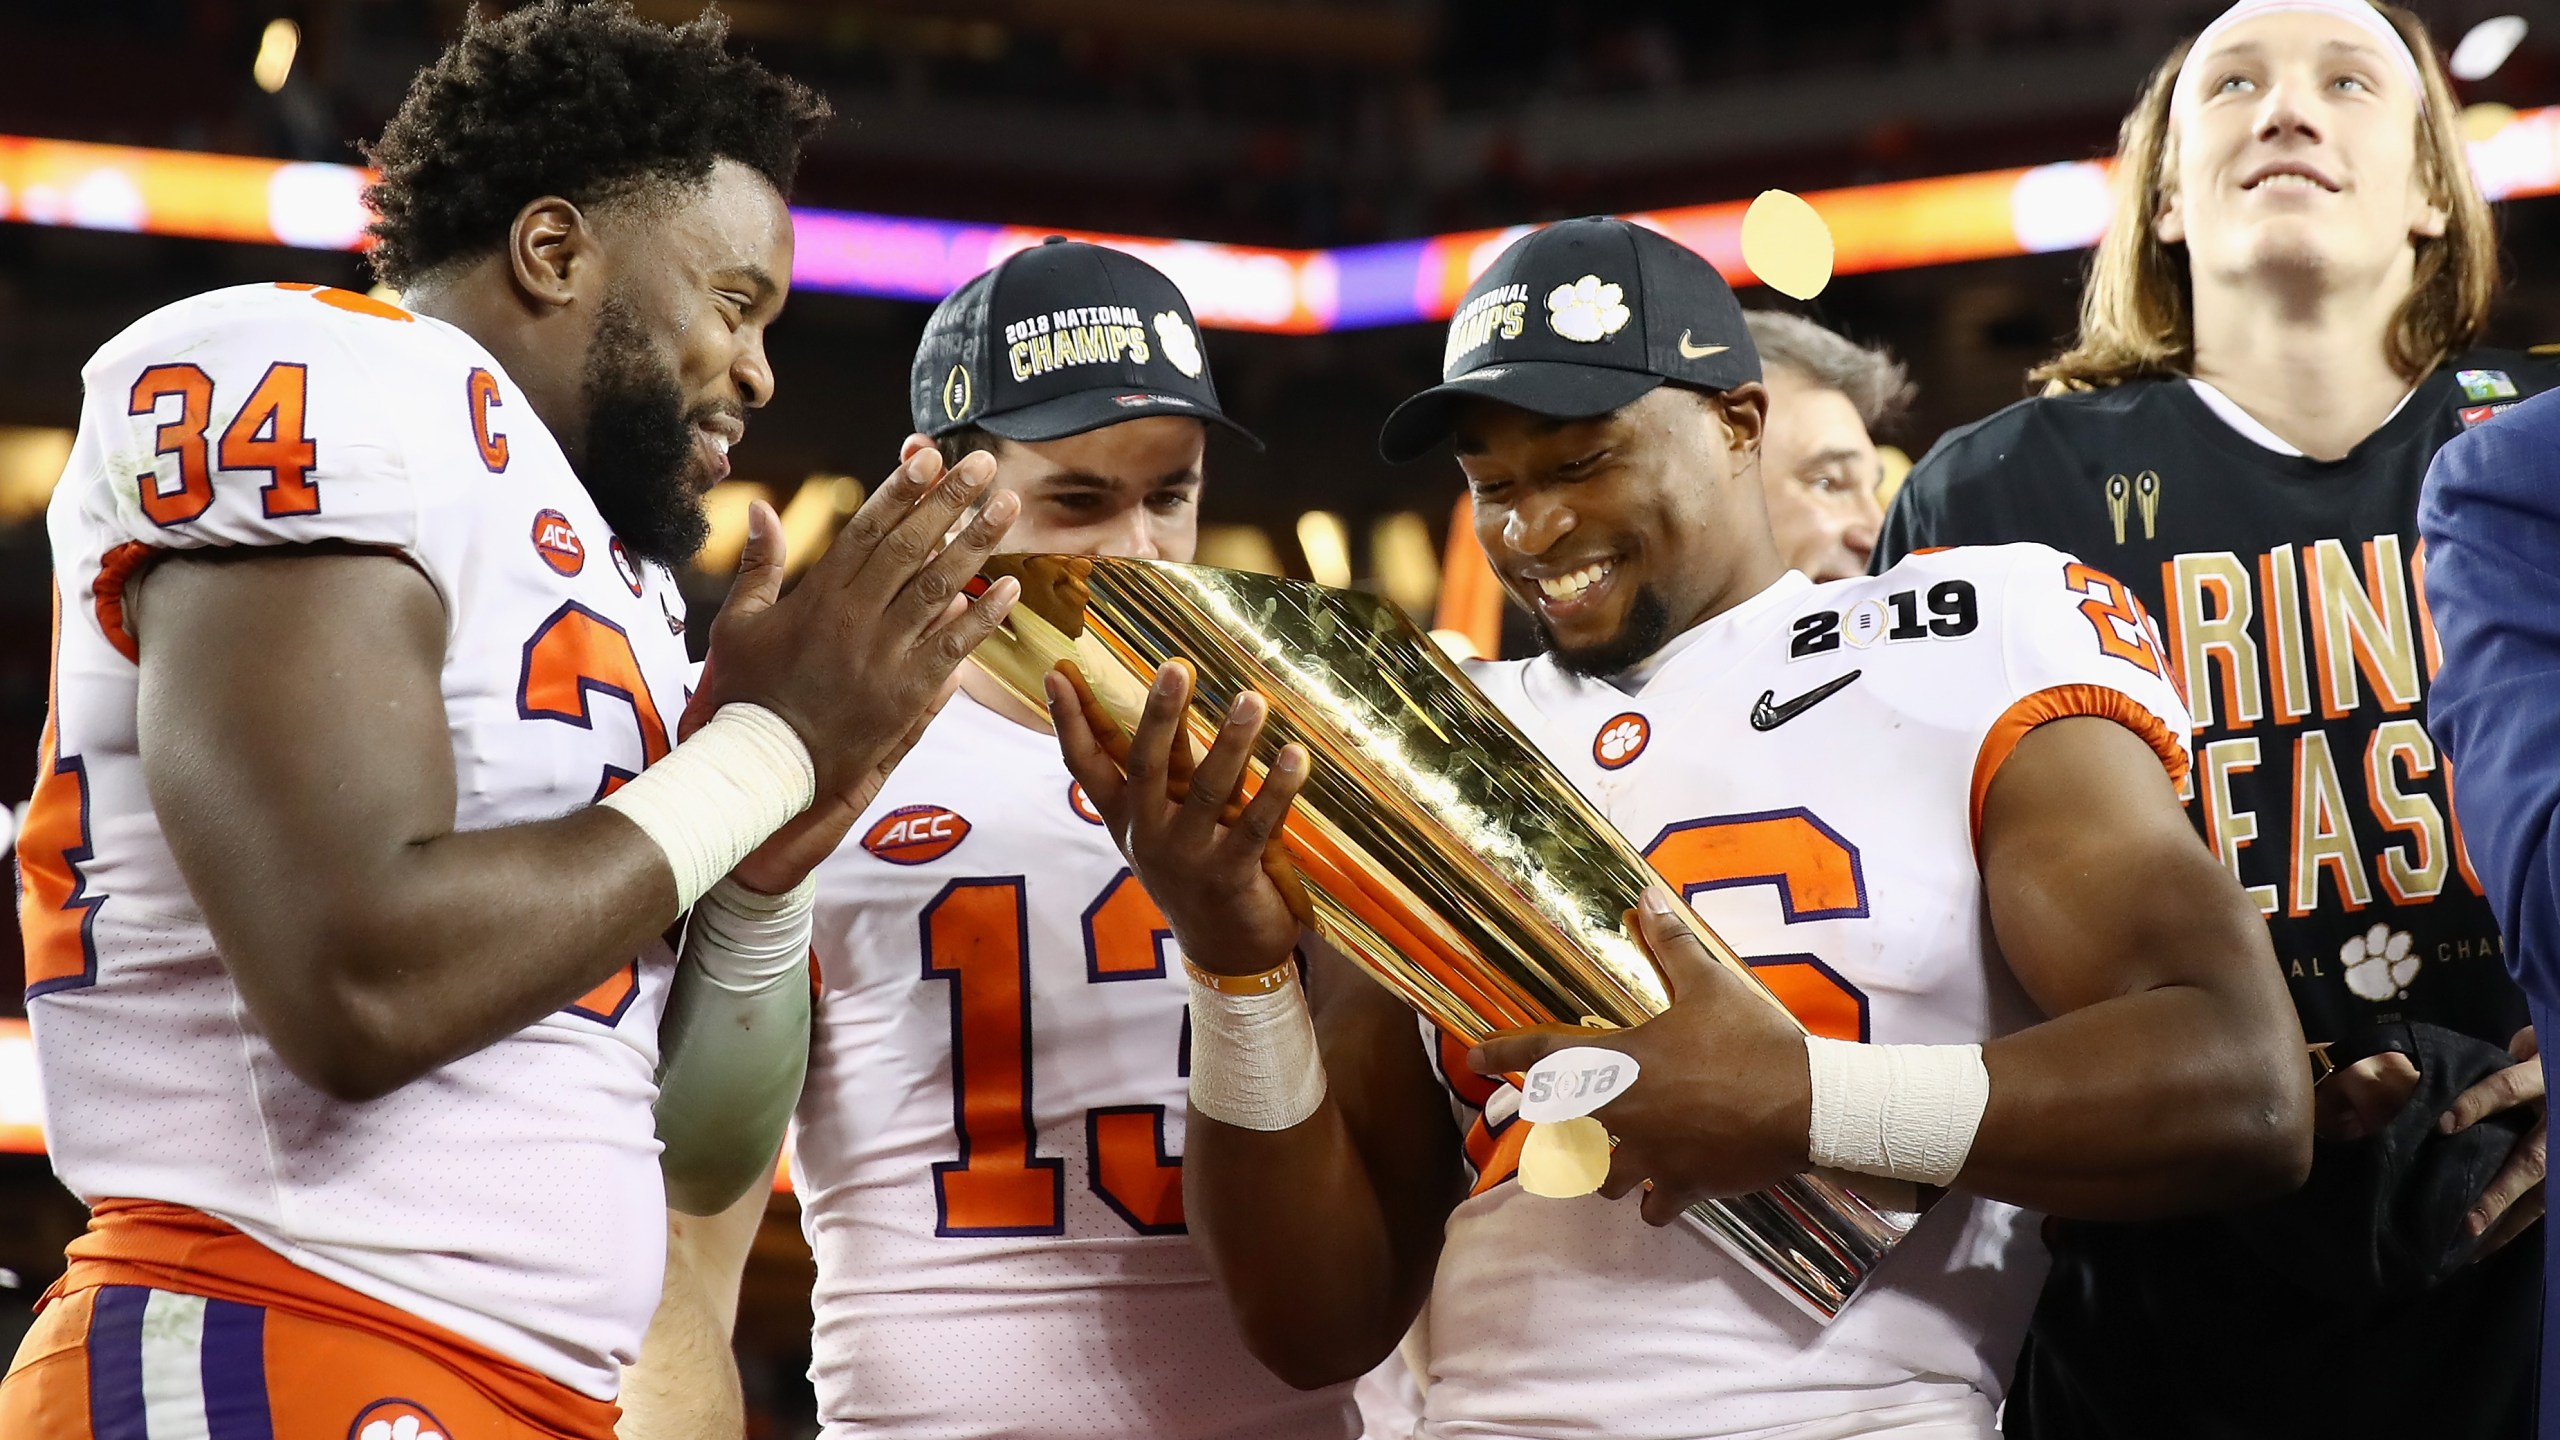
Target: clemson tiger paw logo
[
  {"x": 2378, "y": 963},
  {"x": 1589, "y": 310},
  {"x": 1179, "y": 344},
  {"x": 1621, "y": 739},
  {"x": 395, "y": 1420}
]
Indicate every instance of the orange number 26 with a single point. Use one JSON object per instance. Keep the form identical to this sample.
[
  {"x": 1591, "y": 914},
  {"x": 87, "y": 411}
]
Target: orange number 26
[{"x": 1817, "y": 876}]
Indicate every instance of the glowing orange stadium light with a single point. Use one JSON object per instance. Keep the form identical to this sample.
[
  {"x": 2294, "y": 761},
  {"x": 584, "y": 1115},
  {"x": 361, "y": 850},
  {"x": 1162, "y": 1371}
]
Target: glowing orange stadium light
[{"x": 1900, "y": 225}]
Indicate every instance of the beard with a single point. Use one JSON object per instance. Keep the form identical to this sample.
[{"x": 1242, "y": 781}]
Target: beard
[
  {"x": 638, "y": 458},
  {"x": 1646, "y": 629}
]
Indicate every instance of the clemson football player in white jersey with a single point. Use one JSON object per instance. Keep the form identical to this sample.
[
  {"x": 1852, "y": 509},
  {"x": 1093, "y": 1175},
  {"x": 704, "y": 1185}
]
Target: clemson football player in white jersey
[
  {"x": 989, "y": 1147},
  {"x": 1938, "y": 809},
  {"x": 369, "y": 786}
]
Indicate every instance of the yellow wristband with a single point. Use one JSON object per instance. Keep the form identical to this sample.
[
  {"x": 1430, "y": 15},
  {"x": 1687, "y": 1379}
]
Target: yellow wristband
[{"x": 1275, "y": 978}]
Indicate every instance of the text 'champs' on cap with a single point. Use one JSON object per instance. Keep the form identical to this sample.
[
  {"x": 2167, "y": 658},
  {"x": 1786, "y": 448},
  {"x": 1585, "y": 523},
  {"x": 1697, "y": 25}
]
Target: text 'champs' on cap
[
  {"x": 1576, "y": 320},
  {"x": 1058, "y": 339}
]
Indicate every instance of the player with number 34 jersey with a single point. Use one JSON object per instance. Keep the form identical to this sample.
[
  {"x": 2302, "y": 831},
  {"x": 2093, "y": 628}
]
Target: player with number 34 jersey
[
  {"x": 290, "y": 415},
  {"x": 369, "y": 796}
]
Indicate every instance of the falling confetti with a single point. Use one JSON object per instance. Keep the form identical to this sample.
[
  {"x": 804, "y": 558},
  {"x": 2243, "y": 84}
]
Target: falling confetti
[{"x": 1787, "y": 245}]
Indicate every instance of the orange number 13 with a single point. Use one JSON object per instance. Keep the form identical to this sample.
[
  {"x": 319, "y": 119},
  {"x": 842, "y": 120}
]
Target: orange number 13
[{"x": 975, "y": 937}]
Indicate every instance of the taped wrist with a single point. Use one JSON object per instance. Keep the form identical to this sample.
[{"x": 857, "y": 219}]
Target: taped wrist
[
  {"x": 745, "y": 941},
  {"x": 1904, "y": 1111},
  {"x": 719, "y": 795},
  {"x": 1253, "y": 1056}
]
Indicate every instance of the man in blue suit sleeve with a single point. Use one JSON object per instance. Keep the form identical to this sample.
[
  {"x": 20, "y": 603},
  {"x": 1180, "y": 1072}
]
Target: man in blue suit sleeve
[{"x": 2490, "y": 520}]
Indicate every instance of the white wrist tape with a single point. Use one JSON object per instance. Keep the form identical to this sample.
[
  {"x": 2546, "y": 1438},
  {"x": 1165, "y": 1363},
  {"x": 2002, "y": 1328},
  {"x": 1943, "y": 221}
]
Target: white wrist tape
[
  {"x": 745, "y": 941},
  {"x": 1253, "y": 1057},
  {"x": 720, "y": 794},
  {"x": 1904, "y": 1111}
]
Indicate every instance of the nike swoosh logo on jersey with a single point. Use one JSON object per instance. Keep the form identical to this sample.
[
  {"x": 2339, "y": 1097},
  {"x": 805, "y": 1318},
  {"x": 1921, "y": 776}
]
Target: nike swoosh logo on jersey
[
  {"x": 1766, "y": 716},
  {"x": 1699, "y": 352}
]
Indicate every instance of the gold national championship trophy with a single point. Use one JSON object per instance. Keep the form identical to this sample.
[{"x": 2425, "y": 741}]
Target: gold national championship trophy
[{"x": 1441, "y": 851}]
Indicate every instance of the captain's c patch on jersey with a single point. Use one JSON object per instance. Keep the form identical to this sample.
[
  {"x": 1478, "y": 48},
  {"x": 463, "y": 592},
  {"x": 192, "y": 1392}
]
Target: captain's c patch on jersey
[{"x": 916, "y": 834}]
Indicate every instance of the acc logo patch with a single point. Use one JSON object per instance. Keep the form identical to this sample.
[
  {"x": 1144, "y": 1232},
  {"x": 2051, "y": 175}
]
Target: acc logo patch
[
  {"x": 623, "y": 564},
  {"x": 557, "y": 543},
  {"x": 1082, "y": 804},
  {"x": 396, "y": 1420},
  {"x": 1588, "y": 311},
  {"x": 1621, "y": 739},
  {"x": 916, "y": 834},
  {"x": 1180, "y": 346}
]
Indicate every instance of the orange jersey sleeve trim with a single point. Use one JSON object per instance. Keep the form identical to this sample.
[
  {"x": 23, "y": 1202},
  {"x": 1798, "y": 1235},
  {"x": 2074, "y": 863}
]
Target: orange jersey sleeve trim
[
  {"x": 172, "y": 1247},
  {"x": 2062, "y": 702},
  {"x": 115, "y": 572}
]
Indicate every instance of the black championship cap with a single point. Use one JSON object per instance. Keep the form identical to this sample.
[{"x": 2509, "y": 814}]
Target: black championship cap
[
  {"x": 1059, "y": 339},
  {"x": 1576, "y": 320}
]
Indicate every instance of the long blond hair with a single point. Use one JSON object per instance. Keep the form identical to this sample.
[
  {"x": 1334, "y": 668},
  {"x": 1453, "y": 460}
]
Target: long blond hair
[{"x": 2137, "y": 310}]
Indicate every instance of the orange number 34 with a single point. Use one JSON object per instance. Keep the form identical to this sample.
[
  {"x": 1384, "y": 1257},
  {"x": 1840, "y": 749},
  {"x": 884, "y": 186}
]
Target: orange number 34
[{"x": 270, "y": 433}]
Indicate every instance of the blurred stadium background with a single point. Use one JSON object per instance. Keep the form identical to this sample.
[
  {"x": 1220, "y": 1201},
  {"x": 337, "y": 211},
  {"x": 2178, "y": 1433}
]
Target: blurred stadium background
[{"x": 1320, "y": 175}]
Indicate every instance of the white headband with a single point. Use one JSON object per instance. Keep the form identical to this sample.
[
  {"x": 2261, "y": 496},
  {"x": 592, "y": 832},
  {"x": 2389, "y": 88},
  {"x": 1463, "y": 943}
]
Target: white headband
[{"x": 2355, "y": 12}]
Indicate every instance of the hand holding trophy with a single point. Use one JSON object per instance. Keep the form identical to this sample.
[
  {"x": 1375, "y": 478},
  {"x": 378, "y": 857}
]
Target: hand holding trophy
[{"x": 1438, "y": 850}]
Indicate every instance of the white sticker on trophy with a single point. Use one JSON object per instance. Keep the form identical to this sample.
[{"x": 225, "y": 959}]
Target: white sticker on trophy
[{"x": 1571, "y": 1083}]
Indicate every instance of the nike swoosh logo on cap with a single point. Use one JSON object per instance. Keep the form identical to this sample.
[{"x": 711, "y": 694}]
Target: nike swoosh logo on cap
[
  {"x": 1767, "y": 716},
  {"x": 1698, "y": 352}
]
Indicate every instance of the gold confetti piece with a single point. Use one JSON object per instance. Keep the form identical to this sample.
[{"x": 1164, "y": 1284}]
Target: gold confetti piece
[
  {"x": 1565, "y": 1160},
  {"x": 1787, "y": 245},
  {"x": 2483, "y": 121}
]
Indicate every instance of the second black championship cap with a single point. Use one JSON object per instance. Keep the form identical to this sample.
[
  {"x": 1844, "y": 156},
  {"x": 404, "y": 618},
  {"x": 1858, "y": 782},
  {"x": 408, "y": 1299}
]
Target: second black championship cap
[
  {"x": 1058, "y": 339},
  {"x": 1576, "y": 320}
]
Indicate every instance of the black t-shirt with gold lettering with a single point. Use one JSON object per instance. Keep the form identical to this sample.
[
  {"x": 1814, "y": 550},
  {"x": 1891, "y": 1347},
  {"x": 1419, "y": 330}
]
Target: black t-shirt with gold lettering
[{"x": 2290, "y": 593}]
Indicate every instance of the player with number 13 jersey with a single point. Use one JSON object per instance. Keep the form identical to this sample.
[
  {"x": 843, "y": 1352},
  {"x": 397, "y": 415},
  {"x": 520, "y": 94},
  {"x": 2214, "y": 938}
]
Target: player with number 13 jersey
[{"x": 989, "y": 1145}]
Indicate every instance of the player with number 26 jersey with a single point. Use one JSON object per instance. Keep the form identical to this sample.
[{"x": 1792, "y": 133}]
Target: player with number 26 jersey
[
  {"x": 511, "y": 1197},
  {"x": 1807, "y": 770}
]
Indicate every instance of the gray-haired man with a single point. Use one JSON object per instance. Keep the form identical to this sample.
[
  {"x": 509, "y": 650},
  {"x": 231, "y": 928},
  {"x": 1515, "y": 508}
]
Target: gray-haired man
[{"x": 1818, "y": 463}]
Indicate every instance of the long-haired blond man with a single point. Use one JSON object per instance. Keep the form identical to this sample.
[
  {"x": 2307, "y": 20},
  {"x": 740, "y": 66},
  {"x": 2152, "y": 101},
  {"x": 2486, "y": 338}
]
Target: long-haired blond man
[{"x": 2276, "y": 337}]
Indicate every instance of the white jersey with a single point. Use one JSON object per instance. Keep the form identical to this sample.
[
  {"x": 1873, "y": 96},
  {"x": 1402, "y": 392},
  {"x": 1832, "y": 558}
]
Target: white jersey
[
  {"x": 1807, "y": 769},
  {"x": 511, "y": 1196},
  {"x": 989, "y": 1145}
]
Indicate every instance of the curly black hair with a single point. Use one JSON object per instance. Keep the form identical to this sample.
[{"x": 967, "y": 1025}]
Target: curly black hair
[{"x": 585, "y": 101}]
